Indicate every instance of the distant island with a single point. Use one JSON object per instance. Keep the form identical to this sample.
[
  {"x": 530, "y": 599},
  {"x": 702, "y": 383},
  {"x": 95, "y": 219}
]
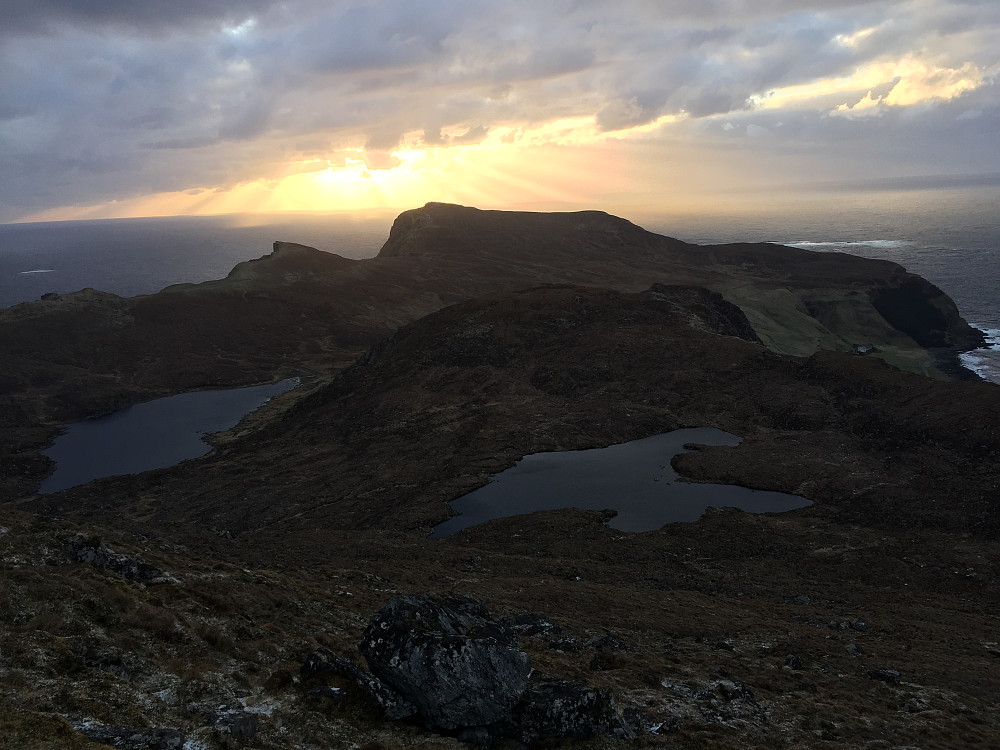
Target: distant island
[{"x": 222, "y": 601}]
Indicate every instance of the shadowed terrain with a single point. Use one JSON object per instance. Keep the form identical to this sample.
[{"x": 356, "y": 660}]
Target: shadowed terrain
[{"x": 865, "y": 620}]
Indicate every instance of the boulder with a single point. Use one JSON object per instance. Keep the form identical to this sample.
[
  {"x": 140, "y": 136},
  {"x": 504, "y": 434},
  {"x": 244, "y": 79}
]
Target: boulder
[
  {"x": 394, "y": 706},
  {"x": 555, "y": 709},
  {"x": 449, "y": 658}
]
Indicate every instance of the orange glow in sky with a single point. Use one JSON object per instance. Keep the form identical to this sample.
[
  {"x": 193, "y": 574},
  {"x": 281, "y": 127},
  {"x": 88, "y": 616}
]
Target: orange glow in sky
[
  {"x": 565, "y": 162},
  {"x": 113, "y": 110}
]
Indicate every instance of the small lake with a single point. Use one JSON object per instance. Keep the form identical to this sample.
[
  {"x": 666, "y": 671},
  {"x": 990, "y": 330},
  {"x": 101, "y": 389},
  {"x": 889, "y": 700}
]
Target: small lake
[
  {"x": 152, "y": 435},
  {"x": 633, "y": 478}
]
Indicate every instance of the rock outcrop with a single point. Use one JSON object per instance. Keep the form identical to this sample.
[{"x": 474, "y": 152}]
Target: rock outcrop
[
  {"x": 93, "y": 550},
  {"x": 557, "y": 709},
  {"x": 445, "y": 655},
  {"x": 447, "y": 662}
]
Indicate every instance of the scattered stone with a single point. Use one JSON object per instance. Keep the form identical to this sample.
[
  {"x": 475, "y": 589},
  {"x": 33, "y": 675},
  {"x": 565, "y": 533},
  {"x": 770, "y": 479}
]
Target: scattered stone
[
  {"x": 885, "y": 675},
  {"x": 853, "y": 649},
  {"x": 607, "y": 641},
  {"x": 124, "y": 738},
  {"x": 800, "y": 599},
  {"x": 667, "y": 726},
  {"x": 530, "y": 624},
  {"x": 93, "y": 550},
  {"x": 915, "y": 704},
  {"x": 554, "y": 709},
  {"x": 569, "y": 645},
  {"x": 793, "y": 661},
  {"x": 859, "y": 625},
  {"x": 726, "y": 645},
  {"x": 328, "y": 692},
  {"x": 320, "y": 661},
  {"x": 447, "y": 657},
  {"x": 718, "y": 702},
  {"x": 238, "y": 723}
]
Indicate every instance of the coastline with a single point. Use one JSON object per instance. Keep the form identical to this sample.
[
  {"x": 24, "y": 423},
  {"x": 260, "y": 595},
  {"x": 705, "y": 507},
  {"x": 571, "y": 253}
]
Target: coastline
[
  {"x": 985, "y": 360},
  {"x": 949, "y": 363}
]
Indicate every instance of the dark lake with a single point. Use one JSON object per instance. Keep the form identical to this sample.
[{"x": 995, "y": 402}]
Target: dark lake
[
  {"x": 152, "y": 435},
  {"x": 633, "y": 478}
]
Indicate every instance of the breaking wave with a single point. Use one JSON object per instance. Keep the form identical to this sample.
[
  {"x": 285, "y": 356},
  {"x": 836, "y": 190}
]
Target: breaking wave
[
  {"x": 847, "y": 245},
  {"x": 985, "y": 362}
]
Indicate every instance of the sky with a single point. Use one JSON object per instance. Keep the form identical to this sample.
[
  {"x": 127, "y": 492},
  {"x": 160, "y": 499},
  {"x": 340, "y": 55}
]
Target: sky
[{"x": 115, "y": 108}]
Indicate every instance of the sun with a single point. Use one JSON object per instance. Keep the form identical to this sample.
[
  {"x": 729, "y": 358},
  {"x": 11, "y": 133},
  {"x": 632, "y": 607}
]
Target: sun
[{"x": 559, "y": 165}]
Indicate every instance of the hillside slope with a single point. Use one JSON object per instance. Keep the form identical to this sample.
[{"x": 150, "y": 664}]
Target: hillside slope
[{"x": 299, "y": 311}]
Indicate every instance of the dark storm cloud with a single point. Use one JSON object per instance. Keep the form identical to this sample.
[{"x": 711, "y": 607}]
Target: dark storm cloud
[
  {"x": 106, "y": 99},
  {"x": 33, "y": 16}
]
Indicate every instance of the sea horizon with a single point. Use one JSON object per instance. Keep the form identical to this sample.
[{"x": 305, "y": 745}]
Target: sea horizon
[{"x": 950, "y": 237}]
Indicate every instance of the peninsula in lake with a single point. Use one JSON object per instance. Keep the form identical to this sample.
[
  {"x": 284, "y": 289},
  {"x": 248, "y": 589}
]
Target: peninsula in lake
[{"x": 223, "y": 600}]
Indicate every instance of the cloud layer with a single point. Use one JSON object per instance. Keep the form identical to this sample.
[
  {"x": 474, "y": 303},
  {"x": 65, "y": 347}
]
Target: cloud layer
[{"x": 104, "y": 101}]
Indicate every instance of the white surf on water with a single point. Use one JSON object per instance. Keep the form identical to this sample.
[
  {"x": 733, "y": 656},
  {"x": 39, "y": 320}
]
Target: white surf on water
[
  {"x": 985, "y": 362},
  {"x": 847, "y": 246},
  {"x": 950, "y": 237}
]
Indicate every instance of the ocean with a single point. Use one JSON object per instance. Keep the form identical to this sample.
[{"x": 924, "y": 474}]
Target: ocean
[
  {"x": 950, "y": 237},
  {"x": 142, "y": 256}
]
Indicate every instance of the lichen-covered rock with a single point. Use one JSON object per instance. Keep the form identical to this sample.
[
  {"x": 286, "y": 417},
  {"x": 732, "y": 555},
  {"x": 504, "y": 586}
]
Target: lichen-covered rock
[
  {"x": 93, "y": 550},
  {"x": 448, "y": 657},
  {"x": 394, "y": 706},
  {"x": 555, "y": 709}
]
